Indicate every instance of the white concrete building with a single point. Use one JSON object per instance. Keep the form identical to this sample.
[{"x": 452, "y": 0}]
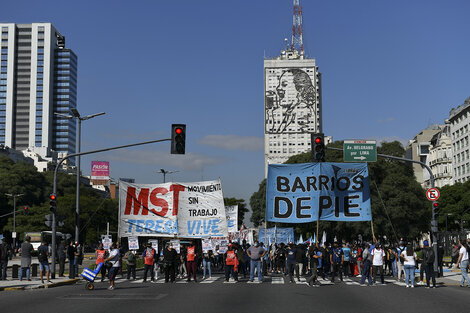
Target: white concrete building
[
  {"x": 459, "y": 119},
  {"x": 292, "y": 105},
  {"x": 38, "y": 77},
  {"x": 440, "y": 158}
]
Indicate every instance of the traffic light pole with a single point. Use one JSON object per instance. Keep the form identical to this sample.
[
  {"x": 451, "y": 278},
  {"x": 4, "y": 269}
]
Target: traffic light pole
[
  {"x": 434, "y": 228},
  {"x": 54, "y": 187}
]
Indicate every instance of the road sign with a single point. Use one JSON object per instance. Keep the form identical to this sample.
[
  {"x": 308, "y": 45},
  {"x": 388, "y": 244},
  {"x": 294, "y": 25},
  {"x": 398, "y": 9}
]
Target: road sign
[
  {"x": 432, "y": 194},
  {"x": 13, "y": 234},
  {"x": 360, "y": 151}
]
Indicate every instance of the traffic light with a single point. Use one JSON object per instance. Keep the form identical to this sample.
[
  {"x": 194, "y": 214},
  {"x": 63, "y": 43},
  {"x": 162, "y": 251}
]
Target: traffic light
[
  {"x": 178, "y": 138},
  {"x": 25, "y": 210},
  {"x": 318, "y": 147},
  {"x": 435, "y": 209},
  {"x": 53, "y": 203}
]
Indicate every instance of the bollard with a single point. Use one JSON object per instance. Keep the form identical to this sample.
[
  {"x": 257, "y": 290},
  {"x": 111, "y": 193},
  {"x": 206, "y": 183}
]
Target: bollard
[
  {"x": 34, "y": 271},
  {"x": 14, "y": 270}
]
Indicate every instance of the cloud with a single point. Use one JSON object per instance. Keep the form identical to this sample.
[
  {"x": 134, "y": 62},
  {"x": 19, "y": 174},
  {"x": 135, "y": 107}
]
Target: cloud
[
  {"x": 232, "y": 142},
  {"x": 379, "y": 140},
  {"x": 187, "y": 162},
  {"x": 386, "y": 120}
]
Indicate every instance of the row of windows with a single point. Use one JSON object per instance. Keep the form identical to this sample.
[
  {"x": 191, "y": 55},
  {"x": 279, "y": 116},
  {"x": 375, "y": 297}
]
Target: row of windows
[
  {"x": 462, "y": 143},
  {"x": 461, "y": 157},
  {"x": 461, "y": 170}
]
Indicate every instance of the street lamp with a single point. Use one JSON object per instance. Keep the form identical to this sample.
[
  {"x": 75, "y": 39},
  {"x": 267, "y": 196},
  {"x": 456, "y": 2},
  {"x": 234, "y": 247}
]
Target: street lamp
[
  {"x": 79, "y": 118},
  {"x": 14, "y": 216},
  {"x": 162, "y": 171}
]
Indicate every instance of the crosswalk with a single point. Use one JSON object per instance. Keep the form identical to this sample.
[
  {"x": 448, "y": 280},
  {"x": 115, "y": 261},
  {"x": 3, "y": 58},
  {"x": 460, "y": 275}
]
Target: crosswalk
[{"x": 274, "y": 280}]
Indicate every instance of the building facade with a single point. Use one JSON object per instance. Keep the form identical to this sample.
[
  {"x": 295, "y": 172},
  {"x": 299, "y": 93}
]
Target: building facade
[
  {"x": 440, "y": 158},
  {"x": 459, "y": 120},
  {"x": 292, "y": 105},
  {"x": 38, "y": 77},
  {"x": 418, "y": 149}
]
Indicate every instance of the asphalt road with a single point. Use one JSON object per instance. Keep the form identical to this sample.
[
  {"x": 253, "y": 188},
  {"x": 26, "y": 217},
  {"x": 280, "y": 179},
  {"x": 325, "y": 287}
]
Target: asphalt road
[{"x": 273, "y": 295}]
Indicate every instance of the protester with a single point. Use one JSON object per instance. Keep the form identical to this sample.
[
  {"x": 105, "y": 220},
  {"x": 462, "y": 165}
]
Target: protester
[
  {"x": 113, "y": 258},
  {"x": 462, "y": 262},
  {"x": 325, "y": 260},
  {"x": 395, "y": 260},
  {"x": 78, "y": 257},
  {"x": 231, "y": 267},
  {"x": 255, "y": 253},
  {"x": 241, "y": 251},
  {"x": 191, "y": 261},
  {"x": 336, "y": 260},
  {"x": 454, "y": 254},
  {"x": 26, "y": 251},
  {"x": 62, "y": 255},
  {"x": 170, "y": 257},
  {"x": 315, "y": 258},
  {"x": 299, "y": 261},
  {"x": 291, "y": 261},
  {"x": 410, "y": 259},
  {"x": 43, "y": 254},
  {"x": 149, "y": 255},
  {"x": 427, "y": 255},
  {"x": 378, "y": 257},
  {"x": 5, "y": 251},
  {"x": 346, "y": 259},
  {"x": 206, "y": 263},
  {"x": 131, "y": 262},
  {"x": 71, "y": 250},
  {"x": 281, "y": 259},
  {"x": 101, "y": 254},
  {"x": 367, "y": 262},
  {"x": 400, "y": 260}
]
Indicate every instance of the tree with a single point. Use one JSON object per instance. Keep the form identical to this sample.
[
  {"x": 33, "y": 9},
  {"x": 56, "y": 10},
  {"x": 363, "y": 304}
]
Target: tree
[
  {"x": 242, "y": 209},
  {"x": 399, "y": 205},
  {"x": 453, "y": 202}
]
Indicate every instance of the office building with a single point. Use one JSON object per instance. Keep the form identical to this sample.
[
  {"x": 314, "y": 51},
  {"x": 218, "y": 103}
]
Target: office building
[
  {"x": 459, "y": 120},
  {"x": 38, "y": 77}
]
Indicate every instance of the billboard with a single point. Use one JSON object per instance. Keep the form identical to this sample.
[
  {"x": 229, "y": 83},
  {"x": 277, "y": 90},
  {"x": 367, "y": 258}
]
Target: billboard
[{"x": 99, "y": 170}]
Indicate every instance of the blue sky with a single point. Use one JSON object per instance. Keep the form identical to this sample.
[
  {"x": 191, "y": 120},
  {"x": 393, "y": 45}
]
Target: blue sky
[{"x": 389, "y": 69}]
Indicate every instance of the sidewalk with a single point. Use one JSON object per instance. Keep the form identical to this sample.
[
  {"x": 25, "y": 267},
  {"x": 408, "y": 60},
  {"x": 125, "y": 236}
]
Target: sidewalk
[{"x": 35, "y": 283}]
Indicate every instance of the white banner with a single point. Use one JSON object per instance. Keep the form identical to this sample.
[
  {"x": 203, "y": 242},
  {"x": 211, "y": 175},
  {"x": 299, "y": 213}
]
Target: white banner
[
  {"x": 175, "y": 243},
  {"x": 133, "y": 243},
  {"x": 206, "y": 245},
  {"x": 232, "y": 218},
  {"x": 201, "y": 211},
  {"x": 185, "y": 209}
]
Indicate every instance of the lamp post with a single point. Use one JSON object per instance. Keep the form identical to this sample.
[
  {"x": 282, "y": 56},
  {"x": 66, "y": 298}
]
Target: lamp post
[
  {"x": 14, "y": 216},
  {"x": 79, "y": 118},
  {"x": 162, "y": 171}
]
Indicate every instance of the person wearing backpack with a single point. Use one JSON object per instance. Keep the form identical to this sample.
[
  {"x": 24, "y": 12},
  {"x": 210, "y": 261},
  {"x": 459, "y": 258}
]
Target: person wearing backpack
[
  {"x": 131, "y": 263},
  {"x": 428, "y": 263},
  {"x": 400, "y": 260},
  {"x": 43, "y": 253}
]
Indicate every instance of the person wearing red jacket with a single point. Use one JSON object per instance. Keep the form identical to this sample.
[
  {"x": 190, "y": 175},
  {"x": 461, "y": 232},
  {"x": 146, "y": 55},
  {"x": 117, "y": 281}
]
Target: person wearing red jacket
[
  {"x": 101, "y": 254},
  {"x": 191, "y": 261},
  {"x": 231, "y": 264},
  {"x": 149, "y": 256}
]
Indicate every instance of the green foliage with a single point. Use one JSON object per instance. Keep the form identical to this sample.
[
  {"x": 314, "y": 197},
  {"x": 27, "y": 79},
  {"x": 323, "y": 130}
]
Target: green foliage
[
  {"x": 242, "y": 209},
  {"x": 17, "y": 178},
  {"x": 403, "y": 199},
  {"x": 454, "y": 201}
]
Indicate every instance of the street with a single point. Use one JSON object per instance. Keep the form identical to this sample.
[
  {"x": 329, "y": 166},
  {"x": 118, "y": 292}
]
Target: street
[{"x": 275, "y": 294}]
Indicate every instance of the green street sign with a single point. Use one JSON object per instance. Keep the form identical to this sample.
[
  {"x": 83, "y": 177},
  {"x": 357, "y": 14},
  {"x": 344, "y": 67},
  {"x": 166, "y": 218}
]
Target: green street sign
[{"x": 360, "y": 151}]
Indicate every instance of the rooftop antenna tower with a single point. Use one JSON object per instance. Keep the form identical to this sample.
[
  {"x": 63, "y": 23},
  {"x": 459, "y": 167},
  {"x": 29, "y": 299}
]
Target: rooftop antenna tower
[{"x": 297, "y": 40}]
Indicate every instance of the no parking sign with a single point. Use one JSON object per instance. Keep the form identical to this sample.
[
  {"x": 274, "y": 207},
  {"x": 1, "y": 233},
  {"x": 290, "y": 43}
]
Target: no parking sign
[{"x": 432, "y": 194}]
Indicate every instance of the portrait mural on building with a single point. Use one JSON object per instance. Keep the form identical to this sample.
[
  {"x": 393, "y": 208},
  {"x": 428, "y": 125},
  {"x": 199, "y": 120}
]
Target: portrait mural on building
[{"x": 283, "y": 114}]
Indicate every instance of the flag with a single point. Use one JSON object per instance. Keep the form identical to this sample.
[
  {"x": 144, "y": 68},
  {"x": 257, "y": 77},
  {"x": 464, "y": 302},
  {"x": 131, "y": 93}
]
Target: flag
[{"x": 323, "y": 240}]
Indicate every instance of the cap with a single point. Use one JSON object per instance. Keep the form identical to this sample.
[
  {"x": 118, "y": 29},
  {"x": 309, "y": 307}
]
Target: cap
[{"x": 426, "y": 243}]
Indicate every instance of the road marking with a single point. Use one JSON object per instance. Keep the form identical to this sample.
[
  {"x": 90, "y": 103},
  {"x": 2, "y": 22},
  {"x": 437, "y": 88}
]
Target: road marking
[
  {"x": 114, "y": 296},
  {"x": 210, "y": 280},
  {"x": 277, "y": 280},
  {"x": 301, "y": 282}
]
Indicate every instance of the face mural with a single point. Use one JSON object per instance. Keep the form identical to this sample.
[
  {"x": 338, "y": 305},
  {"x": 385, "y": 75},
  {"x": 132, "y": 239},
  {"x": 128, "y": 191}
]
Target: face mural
[{"x": 290, "y": 106}]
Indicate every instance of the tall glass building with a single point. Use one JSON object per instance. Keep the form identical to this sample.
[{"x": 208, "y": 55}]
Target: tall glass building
[{"x": 38, "y": 77}]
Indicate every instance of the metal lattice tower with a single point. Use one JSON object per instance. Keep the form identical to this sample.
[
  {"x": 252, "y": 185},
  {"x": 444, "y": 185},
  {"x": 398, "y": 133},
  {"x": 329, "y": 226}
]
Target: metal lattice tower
[{"x": 297, "y": 40}]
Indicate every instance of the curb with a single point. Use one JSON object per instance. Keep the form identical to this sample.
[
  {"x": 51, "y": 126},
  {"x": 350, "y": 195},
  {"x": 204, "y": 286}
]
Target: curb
[{"x": 58, "y": 284}]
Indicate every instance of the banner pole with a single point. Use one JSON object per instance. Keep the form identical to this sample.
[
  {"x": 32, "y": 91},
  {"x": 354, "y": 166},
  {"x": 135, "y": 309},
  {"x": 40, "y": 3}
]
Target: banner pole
[{"x": 373, "y": 234}]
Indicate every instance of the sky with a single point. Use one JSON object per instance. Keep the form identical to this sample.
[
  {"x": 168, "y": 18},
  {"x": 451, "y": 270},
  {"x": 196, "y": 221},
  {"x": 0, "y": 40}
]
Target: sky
[{"x": 389, "y": 69}]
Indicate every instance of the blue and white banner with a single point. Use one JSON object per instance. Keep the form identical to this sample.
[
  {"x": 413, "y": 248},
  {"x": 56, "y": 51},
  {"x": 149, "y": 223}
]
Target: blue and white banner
[
  {"x": 276, "y": 235},
  {"x": 303, "y": 193}
]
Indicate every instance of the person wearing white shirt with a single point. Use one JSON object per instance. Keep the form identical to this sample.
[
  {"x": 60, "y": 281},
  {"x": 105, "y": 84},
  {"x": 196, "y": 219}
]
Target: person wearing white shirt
[
  {"x": 410, "y": 263},
  {"x": 378, "y": 256},
  {"x": 462, "y": 262},
  {"x": 114, "y": 260}
]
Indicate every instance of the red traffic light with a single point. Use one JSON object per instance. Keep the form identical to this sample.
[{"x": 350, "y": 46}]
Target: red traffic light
[
  {"x": 317, "y": 140},
  {"x": 52, "y": 197},
  {"x": 178, "y": 130},
  {"x": 435, "y": 204}
]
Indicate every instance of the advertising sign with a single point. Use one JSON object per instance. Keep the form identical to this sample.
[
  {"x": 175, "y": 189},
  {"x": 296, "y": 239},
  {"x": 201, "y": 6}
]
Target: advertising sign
[
  {"x": 99, "y": 170},
  {"x": 303, "y": 193}
]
